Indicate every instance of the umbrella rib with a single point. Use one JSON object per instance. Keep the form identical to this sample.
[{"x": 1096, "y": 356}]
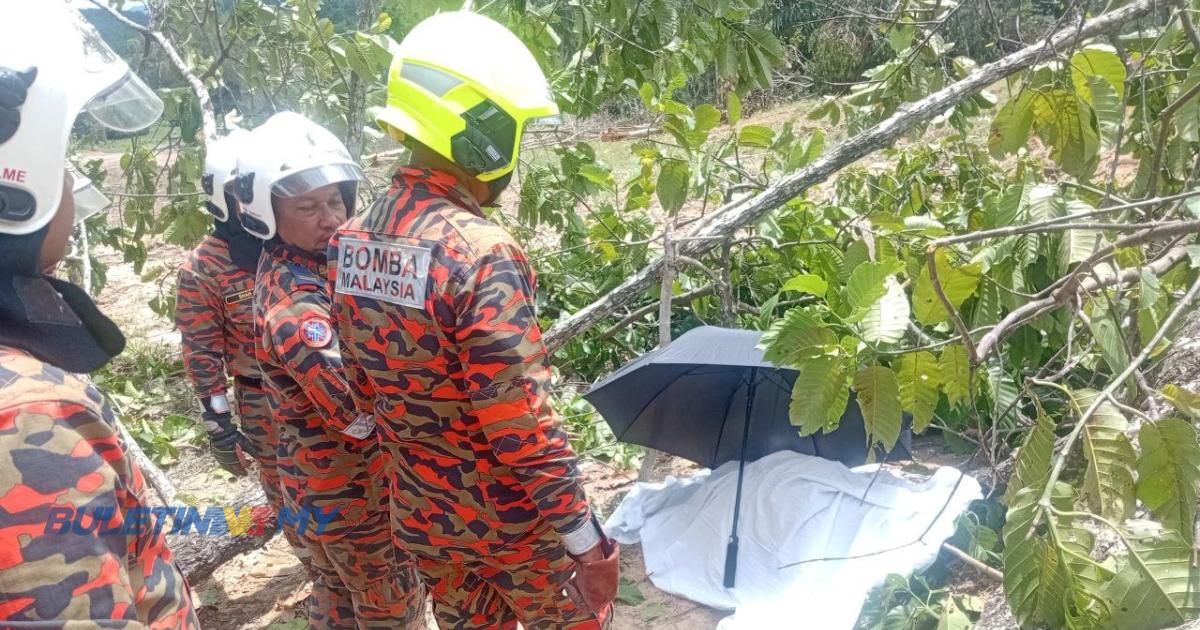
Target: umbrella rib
[
  {"x": 653, "y": 398},
  {"x": 725, "y": 420}
]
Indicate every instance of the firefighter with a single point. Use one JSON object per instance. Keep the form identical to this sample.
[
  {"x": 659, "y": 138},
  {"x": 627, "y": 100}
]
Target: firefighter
[
  {"x": 434, "y": 306},
  {"x": 215, "y": 318},
  {"x": 296, "y": 184},
  {"x": 105, "y": 562}
]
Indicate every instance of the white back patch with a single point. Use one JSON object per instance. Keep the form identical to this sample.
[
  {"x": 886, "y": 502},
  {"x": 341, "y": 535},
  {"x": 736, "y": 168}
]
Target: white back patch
[{"x": 388, "y": 272}]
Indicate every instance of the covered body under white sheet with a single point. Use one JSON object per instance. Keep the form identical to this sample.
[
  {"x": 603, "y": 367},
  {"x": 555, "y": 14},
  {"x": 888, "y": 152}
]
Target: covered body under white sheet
[{"x": 794, "y": 508}]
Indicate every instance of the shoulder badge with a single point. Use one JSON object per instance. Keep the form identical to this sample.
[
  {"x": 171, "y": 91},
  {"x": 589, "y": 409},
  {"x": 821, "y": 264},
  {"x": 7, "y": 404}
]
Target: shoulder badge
[{"x": 316, "y": 330}]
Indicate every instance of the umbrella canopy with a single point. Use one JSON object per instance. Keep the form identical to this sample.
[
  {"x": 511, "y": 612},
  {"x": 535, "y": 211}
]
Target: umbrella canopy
[{"x": 689, "y": 399}]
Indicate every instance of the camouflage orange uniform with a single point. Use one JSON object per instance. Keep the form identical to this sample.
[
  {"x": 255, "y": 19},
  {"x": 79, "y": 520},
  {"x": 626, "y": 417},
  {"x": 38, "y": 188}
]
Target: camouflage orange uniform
[
  {"x": 60, "y": 449},
  {"x": 434, "y": 306},
  {"x": 362, "y": 576},
  {"x": 214, "y": 313}
]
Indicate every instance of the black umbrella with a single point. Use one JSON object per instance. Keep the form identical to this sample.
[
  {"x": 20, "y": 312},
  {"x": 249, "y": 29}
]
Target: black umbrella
[{"x": 709, "y": 397}]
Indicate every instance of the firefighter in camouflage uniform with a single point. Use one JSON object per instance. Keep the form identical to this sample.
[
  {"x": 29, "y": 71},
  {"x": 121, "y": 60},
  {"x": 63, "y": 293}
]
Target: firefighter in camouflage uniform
[
  {"x": 61, "y": 453},
  {"x": 295, "y": 187},
  {"x": 215, "y": 317},
  {"x": 434, "y": 305}
]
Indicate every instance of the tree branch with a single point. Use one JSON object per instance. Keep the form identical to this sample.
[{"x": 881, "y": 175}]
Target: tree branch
[
  {"x": 744, "y": 212},
  {"x": 959, "y": 325},
  {"x": 1035, "y": 308}
]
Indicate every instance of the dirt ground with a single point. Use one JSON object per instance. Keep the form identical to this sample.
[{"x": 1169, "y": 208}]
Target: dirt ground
[{"x": 267, "y": 588}]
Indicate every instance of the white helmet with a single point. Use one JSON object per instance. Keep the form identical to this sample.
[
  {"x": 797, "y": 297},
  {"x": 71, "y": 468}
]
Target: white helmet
[
  {"x": 53, "y": 65},
  {"x": 288, "y": 155},
  {"x": 220, "y": 162}
]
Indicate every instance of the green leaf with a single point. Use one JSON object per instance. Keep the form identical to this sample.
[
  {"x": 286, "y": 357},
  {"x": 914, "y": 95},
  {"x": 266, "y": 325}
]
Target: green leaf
[
  {"x": 886, "y": 320},
  {"x": 1079, "y": 245},
  {"x": 1183, "y": 400},
  {"x": 756, "y": 136},
  {"x": 797, "y": 337},
  {"x": 1097, "y": 61},
  {"x": 879, "y": 400},
  {"x": 807, "y": 283},
  {"x": 1109, "y": 111},
  {"x": 1011, "y": 208},
  {"x": 1168, "y": 471},
  {"x": 1036, "y": 577},
  {"x": 1010, "y": 127},
  {"x": 1108, "y": 485},
  {"x": 952, "y": 618},
  {"x": 1032, "y": 466},
  {"x": 958, "y": 283},
  {"x": 918, "y": 376},
  {"x": 628, "y": 593},
  {"x": 1065, "y": 122},
  {"x": 672, "y": 187},
  {"x": 815, "y": 391},
  {"x": 954, "y": 368},
  {"x": 597, "y": 174},
  {"x": 707, "y": 117},
  {"x": 1110, "y": 338},
  {"x": 1158, "y": 586},
  {"x": 866, "y": 282},
  {"x": 735, "y": 108},
  {"x": 805, "y": 152}
]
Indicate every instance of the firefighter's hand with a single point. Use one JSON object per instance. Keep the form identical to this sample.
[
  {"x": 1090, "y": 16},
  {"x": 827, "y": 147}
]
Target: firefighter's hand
[
  {"x": 226, "y": 442},
  {"x": 597, "y": 575}
]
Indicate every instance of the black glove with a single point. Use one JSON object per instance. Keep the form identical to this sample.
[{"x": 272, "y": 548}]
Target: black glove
[{"x": 226, "y": 442}]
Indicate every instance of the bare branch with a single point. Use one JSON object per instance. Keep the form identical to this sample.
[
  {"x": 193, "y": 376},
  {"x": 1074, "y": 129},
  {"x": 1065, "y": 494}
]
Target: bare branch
[{"x": 1034, "y": 308}]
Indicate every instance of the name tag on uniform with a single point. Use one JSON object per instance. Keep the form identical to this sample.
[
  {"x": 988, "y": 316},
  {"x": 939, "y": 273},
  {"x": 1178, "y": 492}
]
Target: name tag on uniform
[
  {"x": 388, "y": 272},
  {"x": 241, "y": 296}
]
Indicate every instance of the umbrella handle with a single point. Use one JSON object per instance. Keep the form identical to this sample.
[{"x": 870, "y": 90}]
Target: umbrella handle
[{"x": 731, "y": 551}]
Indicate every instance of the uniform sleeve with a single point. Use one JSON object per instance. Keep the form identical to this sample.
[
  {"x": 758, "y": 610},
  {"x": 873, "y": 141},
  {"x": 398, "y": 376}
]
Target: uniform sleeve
[
  {"x": 78, "y": 541},
  {"x": 361, "y": 389},
  {"x": 507, "y": 371},
  {"x": 200, "y": 318},
  {"x": 301, "y": 339}
]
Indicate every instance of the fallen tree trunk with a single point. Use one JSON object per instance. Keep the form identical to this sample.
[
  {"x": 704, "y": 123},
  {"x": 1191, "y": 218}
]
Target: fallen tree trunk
[
  {"x": 198, "y": 556},
  {"x": 744, "y": 212}
]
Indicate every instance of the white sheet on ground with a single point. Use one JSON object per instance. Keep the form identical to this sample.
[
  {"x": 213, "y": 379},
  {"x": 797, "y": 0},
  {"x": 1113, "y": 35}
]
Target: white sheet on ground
[{"x": 794, "y": 507}]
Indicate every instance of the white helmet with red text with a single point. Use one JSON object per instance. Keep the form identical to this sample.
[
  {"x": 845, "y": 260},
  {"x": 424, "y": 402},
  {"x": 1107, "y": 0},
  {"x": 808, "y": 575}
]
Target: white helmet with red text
[{"x": 53, "y": 66}]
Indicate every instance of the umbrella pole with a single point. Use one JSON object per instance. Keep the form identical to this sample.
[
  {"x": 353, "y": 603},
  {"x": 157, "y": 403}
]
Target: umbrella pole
[{"x": 731, "y": 550}]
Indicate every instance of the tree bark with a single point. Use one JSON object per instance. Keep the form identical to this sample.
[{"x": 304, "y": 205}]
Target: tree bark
[
  {"x": 745, "y": 212},
  {"x": 198, "y": 556}
]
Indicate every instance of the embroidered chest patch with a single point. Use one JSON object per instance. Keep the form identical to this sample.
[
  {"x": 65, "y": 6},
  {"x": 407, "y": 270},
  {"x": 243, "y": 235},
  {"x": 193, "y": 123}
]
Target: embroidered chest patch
[
  {"x": 316, "y": 331},
  {"x": 388, "y": 272}
]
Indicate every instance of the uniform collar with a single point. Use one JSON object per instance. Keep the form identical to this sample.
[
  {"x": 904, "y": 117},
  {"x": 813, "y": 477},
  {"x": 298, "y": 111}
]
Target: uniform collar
[
  {"x": 312, "y": 261},
  {"x": 439, "y": 183}
]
